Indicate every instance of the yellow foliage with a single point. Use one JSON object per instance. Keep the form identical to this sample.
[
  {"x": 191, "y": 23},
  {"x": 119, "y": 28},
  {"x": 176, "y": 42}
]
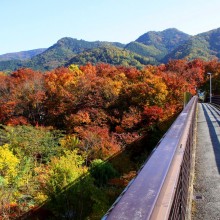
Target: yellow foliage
[
  {"x": 64, "y": 170},
  {"x": 69, "y": 142},
  {"x": 8, "y": 163},
  {"x": 2, "y": 74},
  {"x": 120, "y": 77},
  {"x": 158, "y": 89},
  {"x": 115, "y": 87},
  {"x": 40, "y": 197}
]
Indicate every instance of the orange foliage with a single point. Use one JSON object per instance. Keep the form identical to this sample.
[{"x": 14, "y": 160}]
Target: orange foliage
[
  {"x": 152, "y": 114},
  {"x": 13, "y": 121},
  {"x": 97, "y": 142},
  {"x": 105, "y": 105}
]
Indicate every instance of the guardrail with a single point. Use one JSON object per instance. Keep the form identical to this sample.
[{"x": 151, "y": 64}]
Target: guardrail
[
  {"x": 160, "y": 189},
  {"x": 216, "y": 99}
]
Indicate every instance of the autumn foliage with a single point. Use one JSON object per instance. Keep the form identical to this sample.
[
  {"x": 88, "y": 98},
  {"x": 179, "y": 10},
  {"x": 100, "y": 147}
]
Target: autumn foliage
[
  {"x": 101, "y": 95},
  {"x": 55, "y": 125}
]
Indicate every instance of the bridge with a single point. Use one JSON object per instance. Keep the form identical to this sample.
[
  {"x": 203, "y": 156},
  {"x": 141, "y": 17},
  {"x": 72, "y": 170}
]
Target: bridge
[{"x": 181, "y": 177}]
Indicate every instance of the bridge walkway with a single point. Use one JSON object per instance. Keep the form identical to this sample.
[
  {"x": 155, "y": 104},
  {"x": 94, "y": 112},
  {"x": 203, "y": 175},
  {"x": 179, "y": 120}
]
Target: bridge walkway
[
  {"x": 160, "y": 190},
  {"x": 206, "y": 204}
]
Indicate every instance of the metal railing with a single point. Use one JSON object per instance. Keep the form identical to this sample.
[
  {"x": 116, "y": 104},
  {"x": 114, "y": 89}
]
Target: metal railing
[
  {"x": 160, "y": 189},
  {"x": 216, "y": 99}
]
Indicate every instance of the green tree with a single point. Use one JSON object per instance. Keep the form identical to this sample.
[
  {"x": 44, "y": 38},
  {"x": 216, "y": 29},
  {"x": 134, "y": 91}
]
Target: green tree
[{"x": 102, "y": 171}]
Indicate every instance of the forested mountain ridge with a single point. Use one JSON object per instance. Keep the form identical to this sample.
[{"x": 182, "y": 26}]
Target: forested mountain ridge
[
  {"x": 64, "y": 50},
  {"x": 22, "y": 55},
  {"x": 195, "y": 47},
  {"x": 144, "y": 50},
  {"x": 167, "y": 39},
  {"x": 111, "y": 55},
  {"x": 213, "y": 37},
  {"x": 205, "y": 46},
  {"x": 153, "y": 47},
  {"x": 158, "y": 44},
  {"x": 56, "y": 55}
]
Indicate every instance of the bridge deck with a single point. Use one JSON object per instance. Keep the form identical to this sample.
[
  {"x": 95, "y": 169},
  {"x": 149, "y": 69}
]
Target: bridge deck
[{"x": 207, "y": 168}]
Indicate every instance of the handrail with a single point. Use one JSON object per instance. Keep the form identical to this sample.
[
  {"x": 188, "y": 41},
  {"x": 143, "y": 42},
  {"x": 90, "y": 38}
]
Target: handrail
[
  {"x": 160, "y": 189},
  {"x": 216, "y": 99}
]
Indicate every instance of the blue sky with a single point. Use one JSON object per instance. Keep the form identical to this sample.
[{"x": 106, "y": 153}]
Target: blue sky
[{"x": 27, "y": 24}]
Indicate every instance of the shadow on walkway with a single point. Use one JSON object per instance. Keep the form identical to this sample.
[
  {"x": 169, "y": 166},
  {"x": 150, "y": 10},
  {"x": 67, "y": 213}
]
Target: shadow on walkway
[{"x": 212, "y": 124}]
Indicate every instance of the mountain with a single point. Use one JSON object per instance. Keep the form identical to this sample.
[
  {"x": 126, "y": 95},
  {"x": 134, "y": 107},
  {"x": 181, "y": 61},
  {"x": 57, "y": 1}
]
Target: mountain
[
  {"x": 205, "y": 46},
  {"x": 194, "y": 48},
  {"x": 63, "y": 51},
  {"x": 10, "y": 65},
  {"x": 153, "y": 47},
  {"x": 144, "y": 50},
  {"x": 158, "y": 44},
  {"x": 56, "y": 55},
  {"x": 112, "y": 55},
  {"x": 23, "y": 55},
  {"x": 213, "y": 37}
]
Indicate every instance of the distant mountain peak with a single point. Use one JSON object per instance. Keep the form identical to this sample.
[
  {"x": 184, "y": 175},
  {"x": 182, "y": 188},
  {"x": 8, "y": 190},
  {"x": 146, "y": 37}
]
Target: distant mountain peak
[
  {"x": 66, "y": 41},
  {"x": 22, "y": 55},
  {"x": 172, "y": 30},
  {"x": 165, "y": 41}
]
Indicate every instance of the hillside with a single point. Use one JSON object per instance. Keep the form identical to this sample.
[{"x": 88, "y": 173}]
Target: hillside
[
  {"x": 159, "y": 44},
  {"x": 150, "y": 48},
  {"x": 56, "y": 55},
  {"x": 144, "y": 50},
  {"x": 11, "y": 65},
  {"x": 111, "y": 55},
  {"x": 213, "y": 38},
  {"x": 64, "y": 50},
  {"x": 61, "y": 52},
  {"x": 194, "y": 48},
  {"x": 23, "y": 55},
  {"x": 205, "y": 46}
]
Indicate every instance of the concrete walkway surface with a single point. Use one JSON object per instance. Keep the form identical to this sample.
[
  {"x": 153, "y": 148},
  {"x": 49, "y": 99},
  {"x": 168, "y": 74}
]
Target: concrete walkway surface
[{"x": 206, "y": 203}]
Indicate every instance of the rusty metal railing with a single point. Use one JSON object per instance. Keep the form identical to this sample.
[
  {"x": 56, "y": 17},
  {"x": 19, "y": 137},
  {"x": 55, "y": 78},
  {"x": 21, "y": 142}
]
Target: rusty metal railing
[{"x": 160, "y": 189}]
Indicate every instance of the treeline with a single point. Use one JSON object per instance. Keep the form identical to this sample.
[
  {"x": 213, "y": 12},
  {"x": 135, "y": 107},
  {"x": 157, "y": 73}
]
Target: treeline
[
  {"x": 64, "y": 124},
  {"x": 111, "y": 55}
]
